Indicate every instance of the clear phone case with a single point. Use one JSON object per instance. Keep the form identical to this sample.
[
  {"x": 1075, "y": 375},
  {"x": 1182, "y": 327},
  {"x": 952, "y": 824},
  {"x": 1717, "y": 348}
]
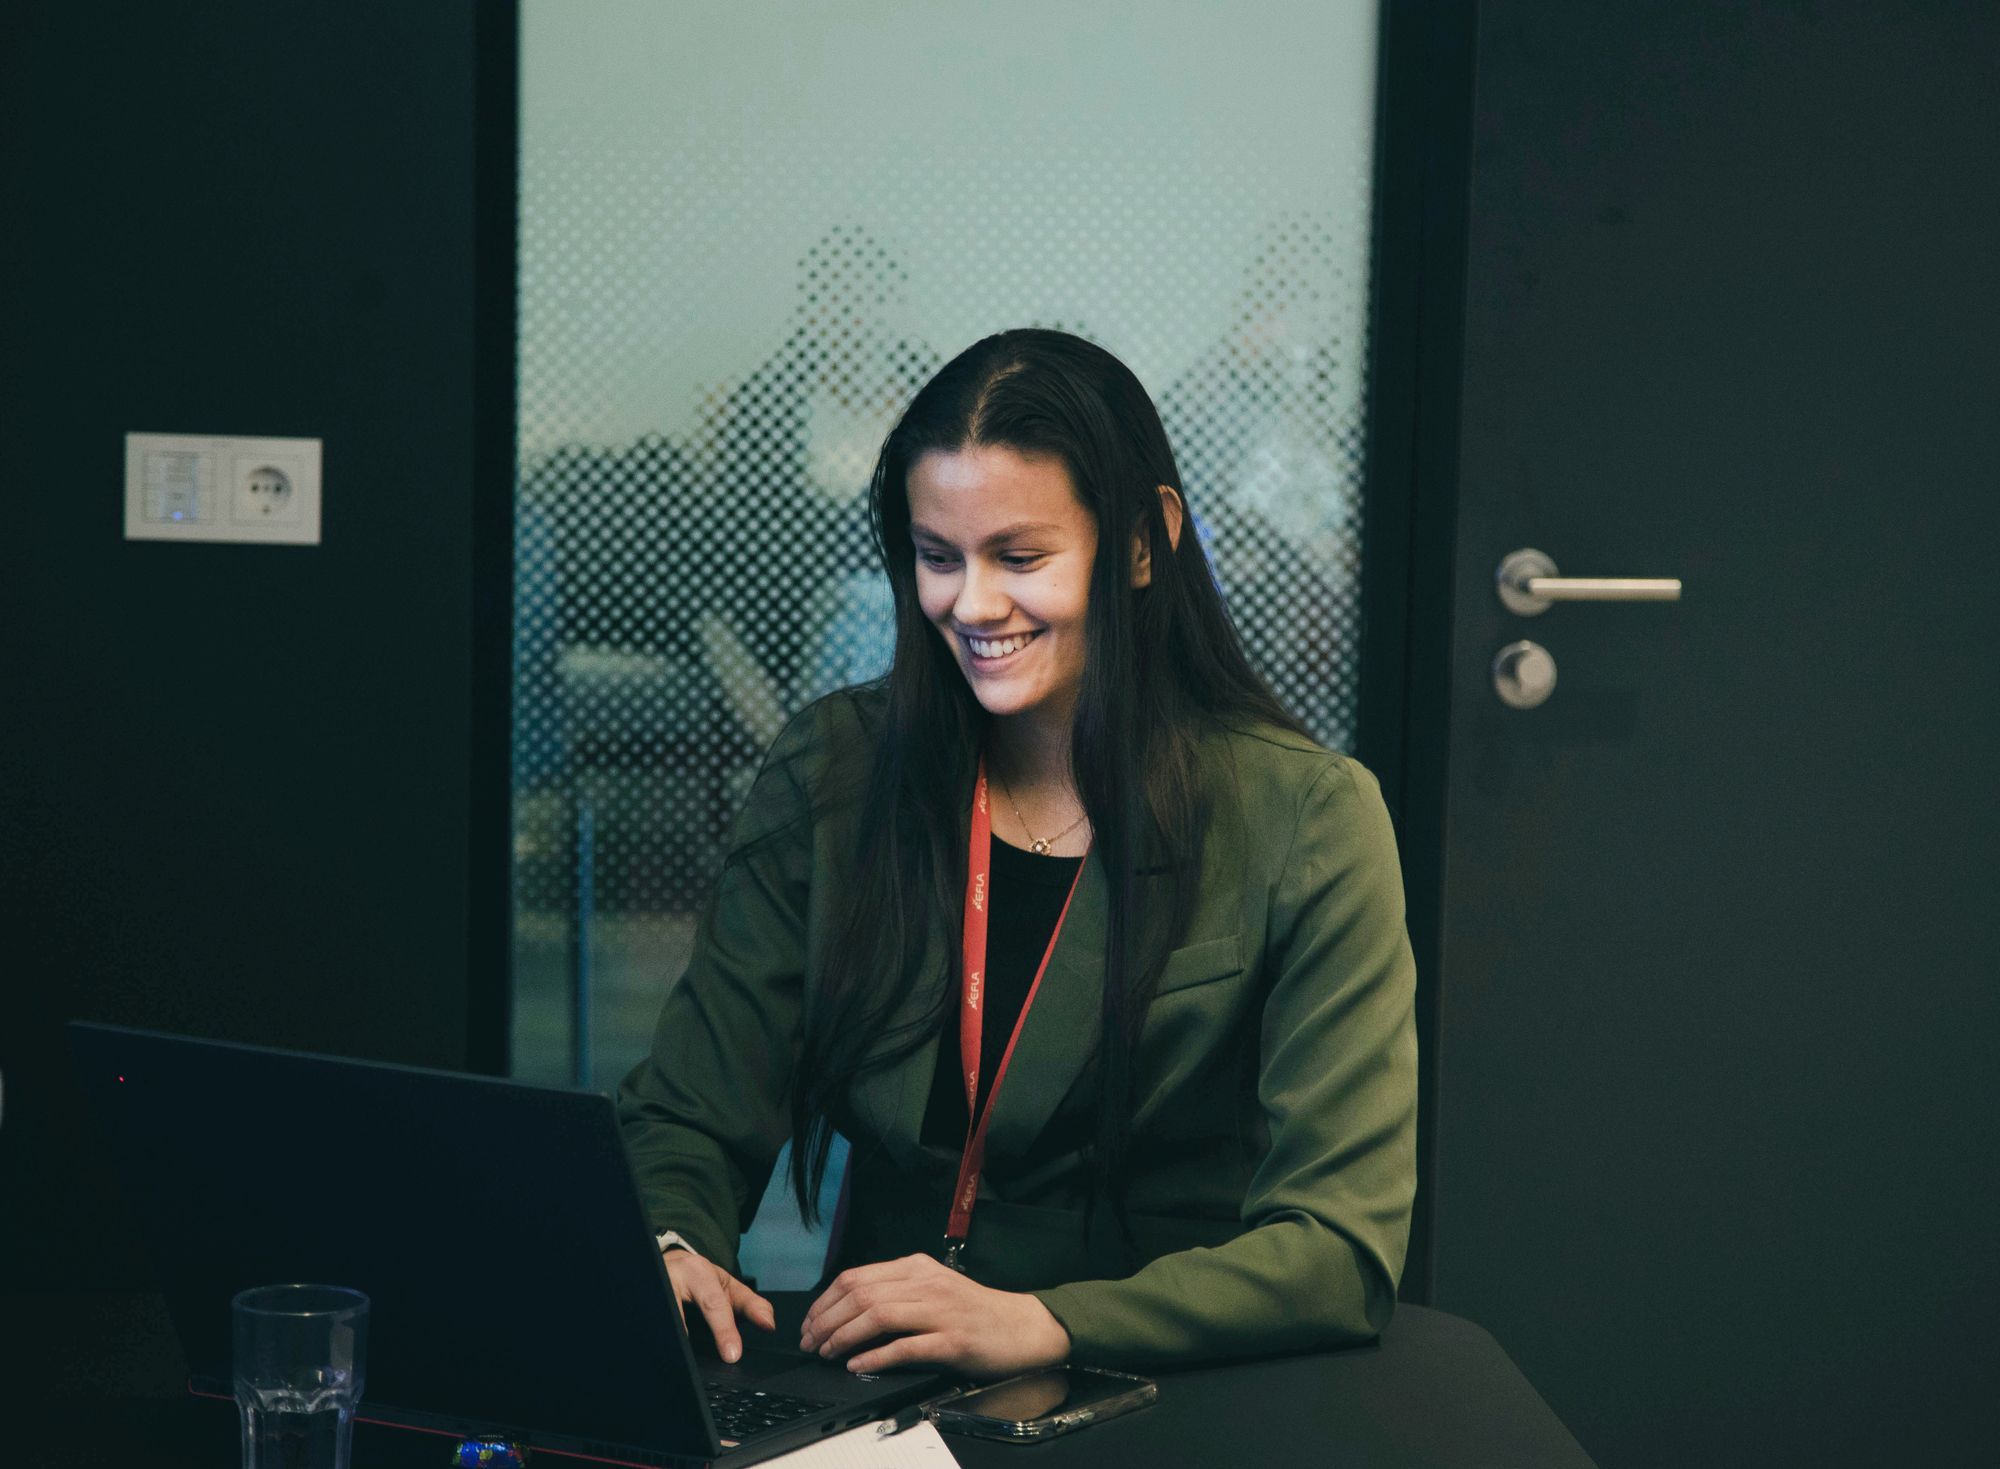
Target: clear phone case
[{"x": 1040, "y": 1405}]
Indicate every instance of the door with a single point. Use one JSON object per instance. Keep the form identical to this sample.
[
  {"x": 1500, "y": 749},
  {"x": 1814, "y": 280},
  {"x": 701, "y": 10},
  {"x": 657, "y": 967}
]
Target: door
[{"x": 1719, "y": 1018}]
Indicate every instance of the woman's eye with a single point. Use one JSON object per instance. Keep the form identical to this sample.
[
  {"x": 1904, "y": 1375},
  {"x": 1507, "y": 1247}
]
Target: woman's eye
[
  {"x": 1022, "y": 561},
  {"x": 937, "y": 561}
]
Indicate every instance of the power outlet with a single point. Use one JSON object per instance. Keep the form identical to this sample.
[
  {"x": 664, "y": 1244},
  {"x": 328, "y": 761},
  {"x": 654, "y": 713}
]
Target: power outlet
[
  {"x": 264, "y": 492},
  {"x": 206, "y": 487}
]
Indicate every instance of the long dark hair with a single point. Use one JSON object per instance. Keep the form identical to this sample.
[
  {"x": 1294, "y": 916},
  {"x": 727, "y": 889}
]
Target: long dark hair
[{"x": 1161, "y": 665}]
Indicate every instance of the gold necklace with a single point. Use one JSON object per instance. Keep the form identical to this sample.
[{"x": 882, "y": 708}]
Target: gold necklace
[{"x": 1038, "y": 845}]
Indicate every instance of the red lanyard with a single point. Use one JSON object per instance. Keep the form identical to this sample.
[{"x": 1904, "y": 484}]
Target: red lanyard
[{"x": 972, "y": 1016}]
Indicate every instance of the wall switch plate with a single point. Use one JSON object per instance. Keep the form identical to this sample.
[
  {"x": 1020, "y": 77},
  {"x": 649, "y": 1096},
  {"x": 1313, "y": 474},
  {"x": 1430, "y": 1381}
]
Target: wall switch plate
[{"x": 202, "y": 487}]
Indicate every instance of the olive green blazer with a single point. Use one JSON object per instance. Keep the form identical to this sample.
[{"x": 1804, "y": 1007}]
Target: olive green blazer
[{"x": 1274, "y": 1136}]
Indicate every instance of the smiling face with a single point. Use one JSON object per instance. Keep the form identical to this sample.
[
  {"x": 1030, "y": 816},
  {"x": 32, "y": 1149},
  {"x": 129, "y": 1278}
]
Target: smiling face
[{"x": 1004, "y": 551}]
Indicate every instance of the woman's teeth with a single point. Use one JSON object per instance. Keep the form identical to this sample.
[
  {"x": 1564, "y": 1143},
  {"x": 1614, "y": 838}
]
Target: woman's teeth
[{"x": 998, "y": 647}]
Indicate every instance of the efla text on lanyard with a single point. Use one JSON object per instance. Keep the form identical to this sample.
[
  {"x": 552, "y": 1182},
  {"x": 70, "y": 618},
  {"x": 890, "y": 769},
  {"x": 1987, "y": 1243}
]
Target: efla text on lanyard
[{"x": 972, "y": 1016}]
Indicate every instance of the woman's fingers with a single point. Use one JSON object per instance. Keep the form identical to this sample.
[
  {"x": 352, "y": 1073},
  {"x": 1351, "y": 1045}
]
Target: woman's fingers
[
  {"x": 752, "y": 1305},
  {"x": 716, "y": 1309},
  {"x": 718, "y": 1295},
  {"x": 879, "y": 1319},
  {"x": 904, "y": 1351},
  {"x": 834, "y": 1314},
  {"x": 932, "y": 1315},
  {"x": 852, "y": 1291}
]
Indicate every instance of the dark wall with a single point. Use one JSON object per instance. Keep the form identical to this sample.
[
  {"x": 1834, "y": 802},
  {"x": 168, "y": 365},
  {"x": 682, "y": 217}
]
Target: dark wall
[{"x": 235, "y": 780}]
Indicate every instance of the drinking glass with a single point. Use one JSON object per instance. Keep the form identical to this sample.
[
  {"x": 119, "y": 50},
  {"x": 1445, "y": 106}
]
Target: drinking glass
[{"x": 299, "y": 1366}]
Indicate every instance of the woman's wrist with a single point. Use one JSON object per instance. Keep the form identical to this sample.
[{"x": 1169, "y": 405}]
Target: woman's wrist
[{"x": 1047, "y": 1339}]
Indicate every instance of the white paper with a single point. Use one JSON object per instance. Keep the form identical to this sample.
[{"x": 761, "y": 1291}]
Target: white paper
[{"x": 917, "y": 1447}]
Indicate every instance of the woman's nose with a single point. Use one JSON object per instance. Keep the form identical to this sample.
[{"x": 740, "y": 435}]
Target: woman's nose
[{"x": 981, "y": 597}]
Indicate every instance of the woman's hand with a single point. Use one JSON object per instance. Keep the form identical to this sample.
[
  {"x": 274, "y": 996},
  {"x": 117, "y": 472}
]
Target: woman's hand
[
  {"x": 936, "y": 1317},
  {"x": 719, "y": 1296}
]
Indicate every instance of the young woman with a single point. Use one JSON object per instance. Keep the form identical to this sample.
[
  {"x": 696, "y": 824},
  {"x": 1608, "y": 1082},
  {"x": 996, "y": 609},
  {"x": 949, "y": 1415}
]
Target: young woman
[{"x": 1093, "y": 955}]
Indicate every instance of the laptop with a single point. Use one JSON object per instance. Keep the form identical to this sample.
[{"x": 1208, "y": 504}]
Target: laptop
[{"x": 515, "y": 1288}]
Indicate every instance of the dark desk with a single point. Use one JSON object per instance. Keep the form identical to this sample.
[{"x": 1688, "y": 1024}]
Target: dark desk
[{"x": 1435, "y": 1393}]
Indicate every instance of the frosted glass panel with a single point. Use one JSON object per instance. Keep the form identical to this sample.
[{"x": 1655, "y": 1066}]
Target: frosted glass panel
[{"x": 749, "y": 231}]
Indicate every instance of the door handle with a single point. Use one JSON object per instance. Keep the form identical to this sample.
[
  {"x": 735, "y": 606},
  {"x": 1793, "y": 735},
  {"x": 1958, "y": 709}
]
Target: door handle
[{"x": 1528, "y": 584}]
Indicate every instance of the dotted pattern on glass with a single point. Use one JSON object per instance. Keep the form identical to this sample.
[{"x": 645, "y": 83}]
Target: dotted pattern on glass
[{"x": 680, "y": 595}]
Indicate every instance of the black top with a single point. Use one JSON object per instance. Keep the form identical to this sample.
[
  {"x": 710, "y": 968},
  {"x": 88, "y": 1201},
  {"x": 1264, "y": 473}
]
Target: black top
[{"x": 1025, "y": 900}]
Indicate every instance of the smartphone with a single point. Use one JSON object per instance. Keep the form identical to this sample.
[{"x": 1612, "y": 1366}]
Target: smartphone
[{"x": 1044, "y": 1404}]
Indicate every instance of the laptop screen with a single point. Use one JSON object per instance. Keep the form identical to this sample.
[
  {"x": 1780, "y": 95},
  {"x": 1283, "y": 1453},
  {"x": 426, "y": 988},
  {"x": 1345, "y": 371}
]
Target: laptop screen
[{"x": 495, "y": 1228}]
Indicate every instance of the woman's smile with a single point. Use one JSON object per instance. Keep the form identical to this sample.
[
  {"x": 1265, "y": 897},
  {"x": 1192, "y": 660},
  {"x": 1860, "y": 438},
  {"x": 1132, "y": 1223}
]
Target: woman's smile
[{"x": 989, "y": 653}]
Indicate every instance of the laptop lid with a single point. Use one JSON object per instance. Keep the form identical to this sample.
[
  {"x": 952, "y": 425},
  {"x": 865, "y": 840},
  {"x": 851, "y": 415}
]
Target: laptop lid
[{"x": 495, "y": 1227}]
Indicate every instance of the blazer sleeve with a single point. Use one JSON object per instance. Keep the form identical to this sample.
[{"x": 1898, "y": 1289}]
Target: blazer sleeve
[
  {"x": 705, "y": 1114},
  {"x": 1327, "y": 1213}
]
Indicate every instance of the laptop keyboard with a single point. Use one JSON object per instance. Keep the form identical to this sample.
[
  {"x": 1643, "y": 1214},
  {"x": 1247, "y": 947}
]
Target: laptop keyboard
[{"x": 743, "y": 1412}]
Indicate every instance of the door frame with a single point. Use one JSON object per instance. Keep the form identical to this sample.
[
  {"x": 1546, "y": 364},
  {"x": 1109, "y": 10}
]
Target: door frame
[
  {"x": 1421, "y": 196},
  {"x": 489, "y": 939}
]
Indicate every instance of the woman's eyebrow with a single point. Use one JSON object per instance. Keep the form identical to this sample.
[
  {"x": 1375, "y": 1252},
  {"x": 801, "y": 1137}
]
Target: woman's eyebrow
[{"x": 999, "y": 537}]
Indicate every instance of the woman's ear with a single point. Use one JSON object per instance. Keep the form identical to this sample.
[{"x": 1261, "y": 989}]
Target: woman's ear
[{"x": 1142, "y": 553}]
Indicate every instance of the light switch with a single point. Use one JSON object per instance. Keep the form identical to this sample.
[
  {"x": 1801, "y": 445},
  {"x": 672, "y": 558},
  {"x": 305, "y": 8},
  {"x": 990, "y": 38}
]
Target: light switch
[
  {"x": 173, "y": 486},
  {"x": 201, "y": 487}
]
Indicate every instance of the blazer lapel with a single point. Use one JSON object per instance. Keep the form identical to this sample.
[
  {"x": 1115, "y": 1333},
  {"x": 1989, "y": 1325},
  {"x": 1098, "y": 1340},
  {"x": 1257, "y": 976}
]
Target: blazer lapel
[
  {"x": 1060, "y": 1033},
  {"x": 1057, "y": 1041}
]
